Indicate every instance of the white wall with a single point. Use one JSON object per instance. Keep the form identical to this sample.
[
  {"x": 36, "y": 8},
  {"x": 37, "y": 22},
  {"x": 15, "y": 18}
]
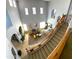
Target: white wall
[
  {"x": 10, "y": 32},
  {"x": 32, "y": 19},
  {"x": 9, "y": 54},
  {"x": 15, "y": 19},
  {"x": 14, "y": 15},
  {"x": 61, "y": 7},
  {"x": 8, "y": 50}
]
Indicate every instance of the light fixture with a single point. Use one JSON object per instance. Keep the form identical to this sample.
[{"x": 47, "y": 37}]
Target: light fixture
[
  {"x": 42, "y": 24},
  {"x": 26, "y": 11},
  {"x": 25, "y": 27},
  {"x": 34, "y": 10},
  {"x": 41, "y": 10}
]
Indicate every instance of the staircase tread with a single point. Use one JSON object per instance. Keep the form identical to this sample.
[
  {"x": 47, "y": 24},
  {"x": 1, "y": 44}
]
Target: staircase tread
[
  {"x": 55, "y": 40},
  {"x": 44, "y": 53},
  {"x": 47, "y": 52},
  {"x": 54, "y": 44},
  {"x": 49, "y": 48},
  {"x": 58, "y": 37},
  {"x": 40, "y": 54},
  {"x": 33, "y": 55},
  {"x": 59, "y": 34},
  {"x": 37, "y": 55}
]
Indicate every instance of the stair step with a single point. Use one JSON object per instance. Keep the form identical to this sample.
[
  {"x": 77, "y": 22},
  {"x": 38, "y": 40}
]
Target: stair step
[
  {"x": 62, "y": 29},
  {"x": 37, "y": 55},
  {"x": 29, "y": 56},
  {"x": 59, "y": 34},
  {"x": 53, "y": 43},
  {"x": 55, "y": 40},
  {"x": 40, "y": 54},
  {"x": 46, "y": 50},
  {"x": 33, "y": 56},
  {"x": 44, "y": 53},
  {"x": 48, "y": 46},
  {"x": 64, "y": 26}
]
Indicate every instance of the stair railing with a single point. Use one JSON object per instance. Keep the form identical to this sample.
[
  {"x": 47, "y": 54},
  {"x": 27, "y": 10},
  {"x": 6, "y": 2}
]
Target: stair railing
[
  {"x": 57, "y": 51},
  {"x": 49, "y": 36}
]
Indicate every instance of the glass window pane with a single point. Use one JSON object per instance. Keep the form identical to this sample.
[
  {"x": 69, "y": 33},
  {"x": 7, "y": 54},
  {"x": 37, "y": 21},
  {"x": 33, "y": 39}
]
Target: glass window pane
[
  {"x": 10, "y": 2},
  {"x": 14, "y": 3},
  {"x": 26, "y": 11},
  {"x": 41, "y": 10},
  {"x": 34, "y": 10}
]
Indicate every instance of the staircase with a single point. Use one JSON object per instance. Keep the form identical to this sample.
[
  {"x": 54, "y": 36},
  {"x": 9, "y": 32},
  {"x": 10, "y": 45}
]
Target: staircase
[{"x": 45, "y": 50}]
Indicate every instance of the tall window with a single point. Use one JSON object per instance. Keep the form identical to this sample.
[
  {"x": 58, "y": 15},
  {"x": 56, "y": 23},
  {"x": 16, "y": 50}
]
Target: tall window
[
  {"x": 34, "y": 10},
  {"x": 12, "y": 3},
  {"x": 26, "y": 11},
  {"x": 53, "y": 12},
  {"x": 41, "y": 10}
]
